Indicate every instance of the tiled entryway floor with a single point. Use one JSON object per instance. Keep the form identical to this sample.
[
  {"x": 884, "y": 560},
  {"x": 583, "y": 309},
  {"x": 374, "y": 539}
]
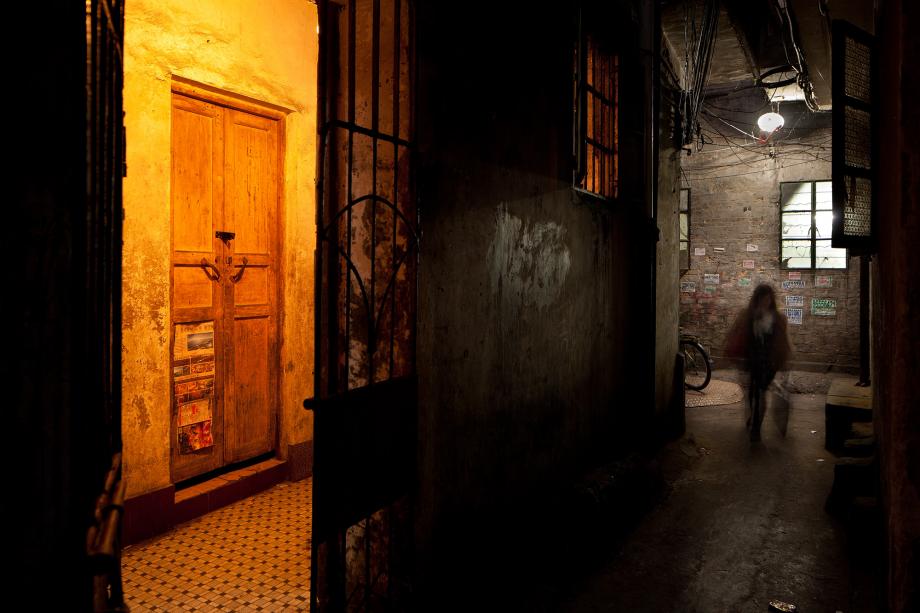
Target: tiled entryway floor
[{"x": 253, "y": 555}]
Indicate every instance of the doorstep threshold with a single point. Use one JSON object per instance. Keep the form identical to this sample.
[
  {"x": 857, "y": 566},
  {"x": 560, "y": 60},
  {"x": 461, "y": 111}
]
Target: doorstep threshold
[{"x": 210, "y": 495}]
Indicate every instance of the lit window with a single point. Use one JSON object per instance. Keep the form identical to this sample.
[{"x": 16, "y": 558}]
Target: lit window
[
  {"x": 806, "y": 218},
  {"x": 684, "y": 214},
  {"x": 596, "y": 131}
]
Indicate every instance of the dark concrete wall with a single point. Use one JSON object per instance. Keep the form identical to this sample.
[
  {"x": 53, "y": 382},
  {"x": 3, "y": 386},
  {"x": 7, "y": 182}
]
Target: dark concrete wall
[
  {"x": 668, "y": 402},
  {"x": 735, "y": 193},
  {"x": 896, "y": 301},
  {"x": 533, "y": 299}
]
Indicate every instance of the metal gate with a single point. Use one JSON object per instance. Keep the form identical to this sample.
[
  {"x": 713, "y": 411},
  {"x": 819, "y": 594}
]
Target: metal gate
[{"x": 366, "y": 270}]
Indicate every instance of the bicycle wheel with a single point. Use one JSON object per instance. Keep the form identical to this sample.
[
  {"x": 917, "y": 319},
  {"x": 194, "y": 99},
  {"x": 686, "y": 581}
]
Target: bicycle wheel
[{"x": 697, "y": 369}]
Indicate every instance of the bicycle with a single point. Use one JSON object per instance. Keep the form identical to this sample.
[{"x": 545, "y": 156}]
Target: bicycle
[{"x": 697, "y": 364}]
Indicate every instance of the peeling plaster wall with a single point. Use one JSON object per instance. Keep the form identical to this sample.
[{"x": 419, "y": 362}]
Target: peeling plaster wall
[{"x": 265, "y": 51}]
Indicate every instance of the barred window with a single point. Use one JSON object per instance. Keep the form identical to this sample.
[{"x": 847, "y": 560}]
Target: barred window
[
  {"x": 806, "y": 219},
  {"x": 596, "y": 130}
]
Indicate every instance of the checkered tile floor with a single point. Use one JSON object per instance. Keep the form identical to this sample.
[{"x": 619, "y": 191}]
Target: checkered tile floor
[{"x": 253, "y": 555}]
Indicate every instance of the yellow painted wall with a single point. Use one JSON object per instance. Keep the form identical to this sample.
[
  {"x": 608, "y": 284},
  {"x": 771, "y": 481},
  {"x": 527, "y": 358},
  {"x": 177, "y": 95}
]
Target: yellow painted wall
[{"x": 265, "y": 50}]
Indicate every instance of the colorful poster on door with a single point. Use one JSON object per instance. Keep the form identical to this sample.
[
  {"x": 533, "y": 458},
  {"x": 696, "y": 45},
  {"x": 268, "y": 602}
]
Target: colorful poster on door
[{"x": 195, "y": 436}]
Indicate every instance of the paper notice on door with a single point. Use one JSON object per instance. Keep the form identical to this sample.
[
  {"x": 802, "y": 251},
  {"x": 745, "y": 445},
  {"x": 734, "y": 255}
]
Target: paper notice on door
[
  {"x": 194, "y": 412},
  {"x": 193, "y": 340},
  {"x": 195, "y": 436}
]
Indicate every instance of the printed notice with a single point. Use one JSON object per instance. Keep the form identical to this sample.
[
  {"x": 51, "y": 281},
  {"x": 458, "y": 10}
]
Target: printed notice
[
  {"x": 795, "y": 301},
  {"x": 824, "y": 281},
  {"x": 193, "y": 385},
  {"x": 752, "y": 247},
  {"x": 824, "y": 307},
  {"x": 699, "y": 251},
  {"x": 744, "y": 282},
  {"x": 747, "y": 264},
  {"x": 795, "y": 276},
  {"x": 794, "y": 316},
  {"x": 711, "y": 278},
  {"x": 793, "y": 284},
  {"x": 687, "y": 287}
]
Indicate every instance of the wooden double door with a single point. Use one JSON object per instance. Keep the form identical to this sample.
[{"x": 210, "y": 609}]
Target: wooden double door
[{"x": 224, "y": 342}]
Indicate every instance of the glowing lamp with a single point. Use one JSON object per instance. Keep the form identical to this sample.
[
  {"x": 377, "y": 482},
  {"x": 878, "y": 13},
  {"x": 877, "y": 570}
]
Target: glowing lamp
[{"x": 770, "y": 122}]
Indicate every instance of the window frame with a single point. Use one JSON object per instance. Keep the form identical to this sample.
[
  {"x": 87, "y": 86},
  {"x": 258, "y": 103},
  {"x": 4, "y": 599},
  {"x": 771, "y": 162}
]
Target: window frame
[
  {"x": 813, "y": 238},
  {"x": 583, "y": 135},
  {"x": 680, "y": 241}
]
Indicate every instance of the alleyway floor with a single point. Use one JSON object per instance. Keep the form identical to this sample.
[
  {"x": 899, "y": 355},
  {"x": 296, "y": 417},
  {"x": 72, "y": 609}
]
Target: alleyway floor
[
  {"x": 742, "y": 524},
  {"x": 252, "y": 555}
]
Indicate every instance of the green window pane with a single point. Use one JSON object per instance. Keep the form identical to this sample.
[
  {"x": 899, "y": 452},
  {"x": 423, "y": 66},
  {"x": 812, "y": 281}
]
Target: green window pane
[
  {"x": 823, "y": 222},
  {"x": 829, "y": 257},
  {"x": 795, "y": 196},
  {"x": 684, "y": 229},
  {"x": 796, "y": 225},
  {"x": 796, "y": 254}
]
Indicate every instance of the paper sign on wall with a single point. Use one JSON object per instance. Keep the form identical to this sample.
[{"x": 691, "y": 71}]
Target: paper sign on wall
[
  {"x": 699, "y": 251},
  {"x": 795, "y": 316},
  {"x": 744, "y": 282},
  {"x": 793, "y": 284},
  {"x": 795, "y": 301},
  {"x": 824, "y": 281},
  {"x": 824, "y": 307},
  {"x": 795, "y": 276},
  {"x": 747, "y": 264},
  {"x": 688, "y": 287},
  {"x": 711, "y": 278},
  {"x": 752, "y": 247}
]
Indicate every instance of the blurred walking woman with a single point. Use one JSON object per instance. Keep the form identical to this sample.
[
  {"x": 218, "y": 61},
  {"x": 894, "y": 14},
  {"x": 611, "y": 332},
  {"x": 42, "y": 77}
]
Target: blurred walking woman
[{"x": 760, "y": 337}]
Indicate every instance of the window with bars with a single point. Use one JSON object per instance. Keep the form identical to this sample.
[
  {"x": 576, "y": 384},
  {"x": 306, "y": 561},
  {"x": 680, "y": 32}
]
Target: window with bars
[
  {"x": 684, "y": 215},
  {"x": 806, "y": 220},
  {"x": 596, "y": 130}
]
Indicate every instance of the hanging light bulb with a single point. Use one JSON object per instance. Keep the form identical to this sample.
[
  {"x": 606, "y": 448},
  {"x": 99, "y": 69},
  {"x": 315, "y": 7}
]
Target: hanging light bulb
[{"x": 770, "y": 122}]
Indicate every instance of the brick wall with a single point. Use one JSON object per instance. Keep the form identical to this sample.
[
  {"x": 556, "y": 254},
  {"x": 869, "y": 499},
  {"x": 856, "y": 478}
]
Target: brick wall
[{"x": 735, "y": 193}]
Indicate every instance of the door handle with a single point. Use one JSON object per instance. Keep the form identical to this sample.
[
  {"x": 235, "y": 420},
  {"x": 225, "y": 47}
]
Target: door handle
[
  {"x": 205, "y": 264},
  {"x": 239, "y": 274}
]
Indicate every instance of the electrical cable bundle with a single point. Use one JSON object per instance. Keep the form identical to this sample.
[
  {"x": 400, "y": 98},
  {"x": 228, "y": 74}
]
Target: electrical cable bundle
[{"x": 698, "y": 49}]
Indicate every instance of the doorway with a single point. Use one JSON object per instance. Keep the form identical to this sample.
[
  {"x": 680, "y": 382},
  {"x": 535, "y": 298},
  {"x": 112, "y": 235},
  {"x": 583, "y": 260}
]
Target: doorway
[{"x": 225, "y": 176}]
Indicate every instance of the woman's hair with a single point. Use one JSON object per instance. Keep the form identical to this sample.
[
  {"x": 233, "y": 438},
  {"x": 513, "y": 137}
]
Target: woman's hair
[{"x": 762, "y": 291}]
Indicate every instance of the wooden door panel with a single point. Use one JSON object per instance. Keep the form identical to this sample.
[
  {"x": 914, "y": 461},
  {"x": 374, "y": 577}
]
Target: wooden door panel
[
  {"x": 250, "y": 429},
  {"x": 252, "y": 194},
  {"x": 196, "y": 136},
  {"x": 197, "y": 154},
  {"x": 250, "y": 210}
]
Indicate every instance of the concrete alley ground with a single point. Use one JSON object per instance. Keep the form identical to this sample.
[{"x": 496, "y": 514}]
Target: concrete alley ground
[{"x": 742, "y": 524}]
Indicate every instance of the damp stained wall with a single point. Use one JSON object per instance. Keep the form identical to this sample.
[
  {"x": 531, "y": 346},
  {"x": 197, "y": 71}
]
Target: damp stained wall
[
  {"x": 265, "y": 51},
  {"x": 734, "y": 202},
  {"x": 533, "y": 339}
]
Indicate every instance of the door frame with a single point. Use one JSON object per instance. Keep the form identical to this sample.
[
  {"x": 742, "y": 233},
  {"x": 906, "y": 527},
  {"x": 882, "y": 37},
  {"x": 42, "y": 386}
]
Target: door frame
[{"x": 229, "y": 100}]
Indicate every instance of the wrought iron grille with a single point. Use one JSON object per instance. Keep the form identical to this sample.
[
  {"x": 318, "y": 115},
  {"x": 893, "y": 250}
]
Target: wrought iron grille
[
  {"x": 855, "y": 138},
  {"x": 105, "y": 167},
  {"x": 366, "y": 263}
]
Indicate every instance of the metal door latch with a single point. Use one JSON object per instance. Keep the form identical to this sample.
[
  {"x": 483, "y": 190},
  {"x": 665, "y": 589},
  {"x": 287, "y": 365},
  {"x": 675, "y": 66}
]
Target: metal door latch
[{"x": 225, "y": 236}]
